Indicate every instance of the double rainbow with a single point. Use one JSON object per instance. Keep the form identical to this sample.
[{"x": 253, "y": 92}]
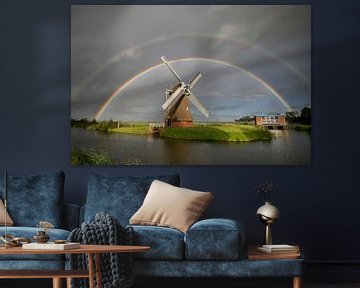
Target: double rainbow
[{"x": 124, "y": 85}]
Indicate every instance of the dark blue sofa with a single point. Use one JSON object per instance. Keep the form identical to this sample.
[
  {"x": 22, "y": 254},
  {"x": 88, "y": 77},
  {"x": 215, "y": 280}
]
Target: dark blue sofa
[
  {"x": 210, "y": 248},
  {"x": 32, "y": 199}
]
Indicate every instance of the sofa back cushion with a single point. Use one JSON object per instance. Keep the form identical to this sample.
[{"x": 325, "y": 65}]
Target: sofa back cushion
[
  {"x": 35, "y": 198},
  {"x": 120, "y": 196}
]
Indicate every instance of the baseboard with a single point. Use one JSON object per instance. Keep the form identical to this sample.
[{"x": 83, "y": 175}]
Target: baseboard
[
  {"x": 217, "y": 282},
  {"x": 332, "y": 271},
  {"x": 314, "y": 272}
]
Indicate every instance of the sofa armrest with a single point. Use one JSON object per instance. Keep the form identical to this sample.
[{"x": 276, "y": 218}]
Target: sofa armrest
[
  {"x": 71, "y": 216},
  {"x": 82, "y": 214},
  {"x": 215, "y": 239}
]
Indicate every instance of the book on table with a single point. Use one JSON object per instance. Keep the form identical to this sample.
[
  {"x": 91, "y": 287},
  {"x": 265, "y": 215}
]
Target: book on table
[
  {"x": 51, "y": 246},
  {"x": 278, "y": 249},
  {"x": 254, "y": 253}
]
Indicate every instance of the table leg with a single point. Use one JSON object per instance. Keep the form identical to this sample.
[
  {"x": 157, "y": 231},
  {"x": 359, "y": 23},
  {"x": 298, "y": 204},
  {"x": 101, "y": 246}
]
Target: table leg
[
  {"x": 297, "y": 282},
  {"x": 57, "y": 283},
  {"x": 98, "y": 270},
  {"x": 91, "y": 270},
  {"x": 68, "y": 282}
]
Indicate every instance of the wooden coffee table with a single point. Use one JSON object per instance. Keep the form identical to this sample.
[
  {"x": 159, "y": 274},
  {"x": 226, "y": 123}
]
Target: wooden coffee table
[{"x": 93, "y": 251}]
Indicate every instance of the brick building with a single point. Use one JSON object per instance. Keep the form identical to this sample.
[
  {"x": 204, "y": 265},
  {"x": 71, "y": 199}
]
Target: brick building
[{"x": 270, "y": 120}]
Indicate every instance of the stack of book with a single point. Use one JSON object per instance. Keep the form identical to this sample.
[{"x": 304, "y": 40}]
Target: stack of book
[
  {"x": 279, "y": 249},
  {"x": 51, "y": 246},
  {"x": 282, "y": 251}
]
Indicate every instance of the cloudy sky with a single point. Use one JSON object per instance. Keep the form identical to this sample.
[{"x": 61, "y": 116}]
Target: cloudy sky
[{"x": 254, "y": 59}]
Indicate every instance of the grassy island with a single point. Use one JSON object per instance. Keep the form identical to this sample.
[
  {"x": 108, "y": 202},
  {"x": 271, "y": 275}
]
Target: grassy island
[
  {"x": 230, "y": 132},
  {"x": 221, "y": 132},
  {"x": 214, "y": 132}
]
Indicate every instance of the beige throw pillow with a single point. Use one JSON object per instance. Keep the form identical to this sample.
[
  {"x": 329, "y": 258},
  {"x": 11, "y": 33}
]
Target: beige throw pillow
[
  {"x": 170, "y": 206},
  {"x": 9, "y": 221}
]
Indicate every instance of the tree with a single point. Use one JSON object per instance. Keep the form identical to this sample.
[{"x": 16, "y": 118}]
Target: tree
[
  {"x": 292, "y": 116},
  {"x": 245, "y": 119},
  {"x": 305, "y": 115}
]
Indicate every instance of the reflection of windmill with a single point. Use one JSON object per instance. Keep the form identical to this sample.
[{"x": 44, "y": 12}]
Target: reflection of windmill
[{"x": 176, "y": 105}]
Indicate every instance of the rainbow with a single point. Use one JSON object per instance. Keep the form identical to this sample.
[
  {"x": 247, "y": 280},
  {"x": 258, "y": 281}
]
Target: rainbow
[
  {"x": 123, "y": 86},
  {"x": 136, "y": 49}
]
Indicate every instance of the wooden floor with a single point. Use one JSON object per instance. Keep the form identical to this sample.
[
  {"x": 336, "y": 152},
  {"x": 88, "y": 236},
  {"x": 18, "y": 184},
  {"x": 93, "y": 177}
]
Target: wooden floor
[
  {"x": 45, "y": 283},
  {"x": 339, "y": 285}
]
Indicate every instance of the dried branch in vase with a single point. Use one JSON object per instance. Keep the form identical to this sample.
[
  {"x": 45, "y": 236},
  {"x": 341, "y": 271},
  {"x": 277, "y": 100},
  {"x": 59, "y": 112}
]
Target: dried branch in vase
[{"x": 265, "y": 189}]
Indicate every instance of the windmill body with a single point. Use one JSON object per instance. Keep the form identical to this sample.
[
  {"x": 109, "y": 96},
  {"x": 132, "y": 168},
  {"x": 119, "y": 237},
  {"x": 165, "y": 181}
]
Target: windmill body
[
  {"x": 180, "y": 115},
  {"x": 178, "y": 98}
]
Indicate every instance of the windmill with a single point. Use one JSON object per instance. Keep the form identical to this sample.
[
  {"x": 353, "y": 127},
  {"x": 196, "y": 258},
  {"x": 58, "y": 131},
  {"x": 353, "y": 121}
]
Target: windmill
[{"x": 176, "y": 105}]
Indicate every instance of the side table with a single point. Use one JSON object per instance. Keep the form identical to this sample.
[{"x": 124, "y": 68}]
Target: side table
[
  {"x": 93, "y": 251},
  {"x": 289, "y": 259}
]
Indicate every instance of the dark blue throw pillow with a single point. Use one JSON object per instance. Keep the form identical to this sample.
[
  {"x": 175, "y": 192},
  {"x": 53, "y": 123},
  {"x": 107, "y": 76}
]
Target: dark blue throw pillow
[
  {"x": 35, "y": 198},
  {"x": 120, "y": 196}
]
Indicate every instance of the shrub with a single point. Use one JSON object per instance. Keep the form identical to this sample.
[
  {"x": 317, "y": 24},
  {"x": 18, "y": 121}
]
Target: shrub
[{"x": 90, "y": 157}]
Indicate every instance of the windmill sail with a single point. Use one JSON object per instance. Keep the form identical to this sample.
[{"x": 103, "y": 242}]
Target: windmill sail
[
  {"x": 194, "y": 80},
  {"x": 172, "y": 99},
  {"x": 171, "y": 69},
  {"x": 193, "y": 99}
]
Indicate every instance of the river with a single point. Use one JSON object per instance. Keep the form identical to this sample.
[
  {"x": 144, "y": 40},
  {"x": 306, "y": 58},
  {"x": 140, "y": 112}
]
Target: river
[{"x": 288, "y": 147}]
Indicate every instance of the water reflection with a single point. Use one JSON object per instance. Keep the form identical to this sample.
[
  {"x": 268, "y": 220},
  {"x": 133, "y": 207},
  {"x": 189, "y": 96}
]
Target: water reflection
[{"x": 288, "y": 147}]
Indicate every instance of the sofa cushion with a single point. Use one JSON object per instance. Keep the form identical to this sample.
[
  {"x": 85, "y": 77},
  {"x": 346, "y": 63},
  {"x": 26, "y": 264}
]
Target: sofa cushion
[
  {"x": 9, "y": 221},
  {"x": 222, "y": 269},
  {"x": 165, "y": 243},
  {"x": 35, "y": 198},
  {"x": 214, "y": 239},
  {"x": 120, "y": 196},
  {"x": 169, "y": 206},
  {"x": 29, "y": 232}
]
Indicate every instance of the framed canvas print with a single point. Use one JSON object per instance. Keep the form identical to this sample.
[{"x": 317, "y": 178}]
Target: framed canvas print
[{"x": 190, "y": 85}]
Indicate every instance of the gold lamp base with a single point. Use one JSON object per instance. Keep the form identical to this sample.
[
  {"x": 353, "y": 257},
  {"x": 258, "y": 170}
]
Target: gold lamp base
[
  {"x": 268, "y": 214},
  {"x": 268, "y": 238}
]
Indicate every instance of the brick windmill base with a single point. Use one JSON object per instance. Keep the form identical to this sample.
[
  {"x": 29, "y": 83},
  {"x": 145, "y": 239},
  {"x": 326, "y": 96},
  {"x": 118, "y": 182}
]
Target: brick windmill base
[{"x": 180, "y": 116}]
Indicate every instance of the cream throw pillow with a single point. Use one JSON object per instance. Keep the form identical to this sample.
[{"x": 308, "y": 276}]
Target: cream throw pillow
[
  {"x": 10, "y": 222},
  {"x": 170, "y": 206}
]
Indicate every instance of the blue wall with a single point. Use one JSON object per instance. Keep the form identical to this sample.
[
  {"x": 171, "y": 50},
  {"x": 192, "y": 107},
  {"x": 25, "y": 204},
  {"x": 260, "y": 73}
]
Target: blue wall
[{"x": 318, "y": 202}]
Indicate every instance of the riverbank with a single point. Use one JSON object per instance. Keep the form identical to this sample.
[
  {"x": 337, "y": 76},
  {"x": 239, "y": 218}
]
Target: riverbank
[
  {"x": 301, "y": 127},
  {"x": 215, "y": 132},
  {"x": 225, "y": 132},
  {"x": 138, "y": 129}
]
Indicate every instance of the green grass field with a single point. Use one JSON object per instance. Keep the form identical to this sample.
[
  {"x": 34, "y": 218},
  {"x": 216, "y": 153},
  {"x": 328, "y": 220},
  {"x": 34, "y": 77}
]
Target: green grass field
[
  {"x": 223, "y": 132},
  {"x": 230, "y": 132},
  {"x": 214, "y": 132},
  {"x": 218, "y": 131},
  {"x": 141, "y": 129}
]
